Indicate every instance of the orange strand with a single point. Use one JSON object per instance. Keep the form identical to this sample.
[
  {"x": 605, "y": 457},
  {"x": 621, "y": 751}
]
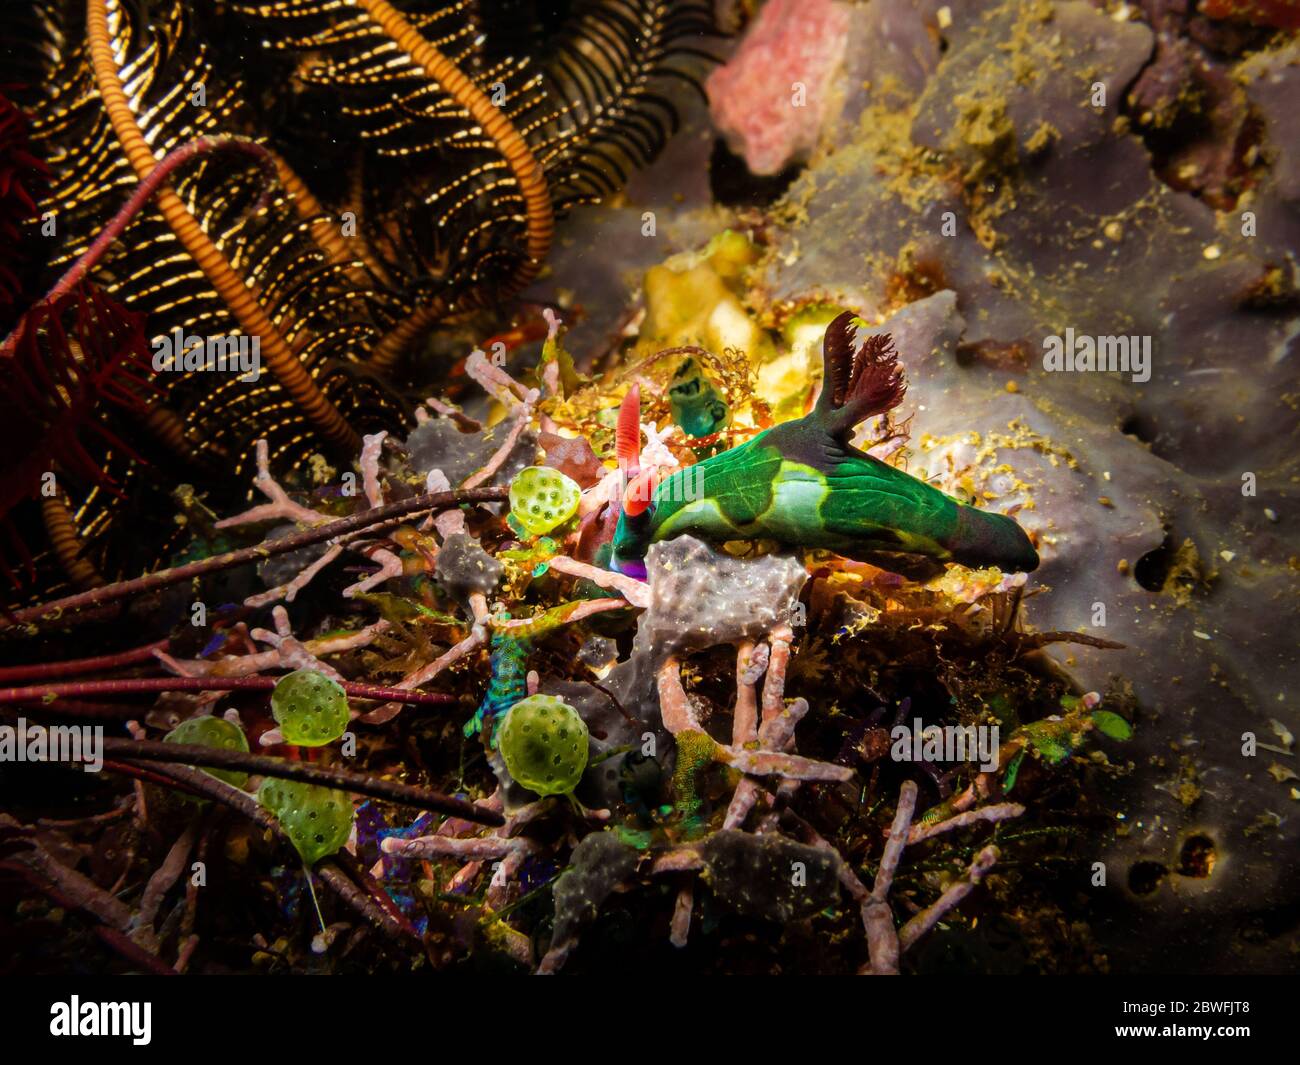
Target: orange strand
[
  {"x": 244, "y": 305},
  {"x": 391, "y": 345},
  {"x": 67, "y": 546},
  {"x": 523, "y": 164}
]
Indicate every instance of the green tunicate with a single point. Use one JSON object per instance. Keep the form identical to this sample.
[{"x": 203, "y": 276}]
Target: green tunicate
[
  {"x": 697, "y": 406},
  {"x": 544, "y": 744},
  {"x": 217, "y": 733},
  {"x": 541, "y": 499},
  {"x": 317, "y": 820},
  {"x": 310, "y": 708}
]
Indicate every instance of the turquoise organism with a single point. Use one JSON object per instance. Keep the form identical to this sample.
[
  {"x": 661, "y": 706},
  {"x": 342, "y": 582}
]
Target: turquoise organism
[
  {"x": 316, "y": 819},
  {"x": 310, "y": 708},
  {"x": 510, "y": 647},
  {"x": 696, "y": 405},
  {"x": 215, "y": 732},
  {"x": 542, "y": 499},
  {"x": 507, "y": 683},
  {"x": 543, "y": 741},
  {"x": 803, "y": 484}
]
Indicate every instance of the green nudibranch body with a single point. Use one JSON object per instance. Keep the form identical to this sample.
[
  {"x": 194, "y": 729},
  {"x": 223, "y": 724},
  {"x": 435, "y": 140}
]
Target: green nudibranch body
[{"x": 802, "y": 484}]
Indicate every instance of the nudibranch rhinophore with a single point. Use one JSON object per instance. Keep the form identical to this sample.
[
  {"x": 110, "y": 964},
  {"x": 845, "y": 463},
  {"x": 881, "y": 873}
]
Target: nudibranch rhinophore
[{"x": 804, "y": 485}]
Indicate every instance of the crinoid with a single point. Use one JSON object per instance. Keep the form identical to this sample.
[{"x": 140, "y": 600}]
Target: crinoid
[{"x": 436, "y": 142}]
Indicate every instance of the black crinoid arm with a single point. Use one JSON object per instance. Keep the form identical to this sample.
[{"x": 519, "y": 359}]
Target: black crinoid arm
[
  {"x": 592, "y": 87},
  {"x": 398, "y": 204}
]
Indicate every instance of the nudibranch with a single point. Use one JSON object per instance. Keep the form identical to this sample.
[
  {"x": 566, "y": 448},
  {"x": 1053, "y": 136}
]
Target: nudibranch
[{"x": 804, "y": 485}]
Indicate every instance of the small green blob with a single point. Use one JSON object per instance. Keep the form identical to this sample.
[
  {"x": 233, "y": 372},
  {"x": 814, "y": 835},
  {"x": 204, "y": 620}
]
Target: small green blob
[
  {"x": 310, "y": 708},
  {"x": 217, "y": 733},
  {"x": 317, "y": 820},
  {"x": 1112, "y": 725},
  {"x": 1013, "y": 772},
  {"x": 544, "y": 744},
  {"x": 542, "y": 499}
]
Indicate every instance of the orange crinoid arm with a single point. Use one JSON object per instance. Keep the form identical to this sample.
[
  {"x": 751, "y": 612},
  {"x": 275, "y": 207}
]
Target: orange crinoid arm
[
  {"x": 523, "y": 164},
  {"x": 527, "y": 171},
  {"x": 243, "y": 303}
]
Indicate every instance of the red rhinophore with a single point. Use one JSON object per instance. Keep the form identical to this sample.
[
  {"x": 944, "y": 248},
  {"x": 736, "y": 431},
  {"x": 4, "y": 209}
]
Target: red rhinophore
[
  {"x": 640, "y": 491},
  {"x": 627, "y": 438}
]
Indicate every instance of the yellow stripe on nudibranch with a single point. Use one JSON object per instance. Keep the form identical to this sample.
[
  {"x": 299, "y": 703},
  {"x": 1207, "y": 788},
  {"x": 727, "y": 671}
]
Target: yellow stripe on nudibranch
[{"x": 798, "y": 492}]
